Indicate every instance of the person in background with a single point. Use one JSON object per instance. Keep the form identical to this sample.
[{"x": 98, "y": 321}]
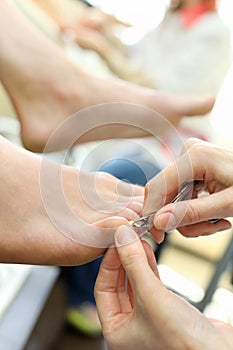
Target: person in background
[
  {"x": 190, "y": 51},
  {"x": 94, "y": 30},
  {"x": 144, "y": 314}
]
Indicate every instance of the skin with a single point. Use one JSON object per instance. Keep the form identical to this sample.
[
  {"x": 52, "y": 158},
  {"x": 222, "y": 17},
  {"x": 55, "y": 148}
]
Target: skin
[
  {"x": 91, "y": 17},
  {"x": 27, "y": 232},
  {"x": 210, "y": 164},
  {"x": 148, "y": 316},
  {"x": 178, "y": 4},
  {"x": 43, "y": 101},
  {"x": 94, "y": 30}
]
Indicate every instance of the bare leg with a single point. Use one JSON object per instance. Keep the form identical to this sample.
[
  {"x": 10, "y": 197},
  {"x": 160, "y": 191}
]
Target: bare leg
[
  {"x": 46, "y": 88},
  {"x": 27, "y": 233}
]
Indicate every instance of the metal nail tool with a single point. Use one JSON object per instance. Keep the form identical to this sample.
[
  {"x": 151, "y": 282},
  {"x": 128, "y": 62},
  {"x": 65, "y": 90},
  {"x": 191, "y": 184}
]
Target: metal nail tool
[{"x": 144, "y": 223}]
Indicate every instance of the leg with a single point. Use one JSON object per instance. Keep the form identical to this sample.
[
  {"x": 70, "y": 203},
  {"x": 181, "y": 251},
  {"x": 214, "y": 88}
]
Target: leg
[{"x": 46, "y": 88}]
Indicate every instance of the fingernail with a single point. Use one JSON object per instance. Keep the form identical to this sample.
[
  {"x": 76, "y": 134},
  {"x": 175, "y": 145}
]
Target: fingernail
[
  {"x": 166, "y": 221},
  {"x": 225, "y": 226},
  {"x": 125, "y": 235}
]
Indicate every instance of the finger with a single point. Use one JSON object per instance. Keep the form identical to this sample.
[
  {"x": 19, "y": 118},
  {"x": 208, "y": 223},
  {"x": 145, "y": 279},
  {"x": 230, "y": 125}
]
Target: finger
[
  {"x": 157, "y": 192},
  {"x": 195, "y": 164},
  {"x": 123, "y": 296},
  {"x": 135, "y": 203},
  {"x": 184, "y": 213},
  {"x": 204, "y": 228},
  {"x": 134, "y": 259},
  {"x": 106, "y": 287},
  {"x": 152, "y": 263},
  {"x": 128, "y": 189},
  {"x": 150, "y": 257},
  {"x": 132, "y": 210},
  {"x": 138, "y": 190},
  {"x": 140, "y": 198},
  {"x": 103, "y": 235},
  {"x": 136, "y": 206},
  {"x": 109, "y": 265},
  {"x": 164, "y": 187},
  {"x": 158, "y": 235},
  {"x": 111, "y": 222},
  {"x": 128, "y": 213},
  {"x": 189, "y": 143}
]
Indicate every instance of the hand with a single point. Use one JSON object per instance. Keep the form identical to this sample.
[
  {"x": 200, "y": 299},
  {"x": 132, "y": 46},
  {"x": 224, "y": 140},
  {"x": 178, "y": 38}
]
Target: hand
[
  {"x": 96, "y": 19},
  {"x": 148, "y": 316},
  {"x": 200, "y": 161}
]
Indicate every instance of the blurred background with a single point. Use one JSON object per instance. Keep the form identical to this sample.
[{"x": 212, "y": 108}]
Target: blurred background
[{"x": 147, "y": 16}]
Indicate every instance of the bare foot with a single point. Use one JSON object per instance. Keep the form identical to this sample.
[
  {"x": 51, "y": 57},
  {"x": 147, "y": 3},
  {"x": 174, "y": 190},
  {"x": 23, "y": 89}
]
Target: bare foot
[
  {"x": 46, "y": 88},
  {"x": 39, "y": 226}
]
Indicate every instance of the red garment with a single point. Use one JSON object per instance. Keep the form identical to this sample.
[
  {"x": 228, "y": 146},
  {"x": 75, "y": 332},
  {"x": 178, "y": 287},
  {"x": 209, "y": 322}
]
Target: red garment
[{"x": 191, "y": 14}]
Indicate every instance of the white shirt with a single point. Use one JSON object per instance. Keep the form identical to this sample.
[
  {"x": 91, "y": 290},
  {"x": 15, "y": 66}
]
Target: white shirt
[{"x": 186, "y": 60}]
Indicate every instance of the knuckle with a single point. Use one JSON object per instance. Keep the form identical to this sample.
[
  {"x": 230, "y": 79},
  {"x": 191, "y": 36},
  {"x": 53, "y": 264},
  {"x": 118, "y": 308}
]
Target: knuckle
[
  {"x": 149, "y": 187},
  {"x": 199, "y": 154},
  {"x": 201, "y": 149},
  {"x": 156, "y": 189},
  {"x": 190, "y": 142},
  {"x": 148, "y": 191},
  {"x": 192, "y": 214},
  {"x": 196, "y": 148},
  {"x": 131, "y": 258}
]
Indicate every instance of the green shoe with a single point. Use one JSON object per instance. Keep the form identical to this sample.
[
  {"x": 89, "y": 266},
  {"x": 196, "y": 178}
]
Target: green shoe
[{"x": 85, "y": 320}]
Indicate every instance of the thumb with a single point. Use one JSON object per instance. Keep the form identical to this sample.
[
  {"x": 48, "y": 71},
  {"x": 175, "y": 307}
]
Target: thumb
[{"x": 133, "y": 257}]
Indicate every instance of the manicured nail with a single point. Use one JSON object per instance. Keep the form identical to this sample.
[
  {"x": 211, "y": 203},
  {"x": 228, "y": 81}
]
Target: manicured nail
[
  {"x": 125, "y": 235},
  {"x": 166, "y": 221},
  {"x": 225, "y": 226}
]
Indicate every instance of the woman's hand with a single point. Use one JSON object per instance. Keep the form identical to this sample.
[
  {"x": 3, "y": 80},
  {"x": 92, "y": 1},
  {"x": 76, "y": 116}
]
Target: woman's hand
[
  {"x": 145, "y": 315},
  {"x": 202, "y": 161}
]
